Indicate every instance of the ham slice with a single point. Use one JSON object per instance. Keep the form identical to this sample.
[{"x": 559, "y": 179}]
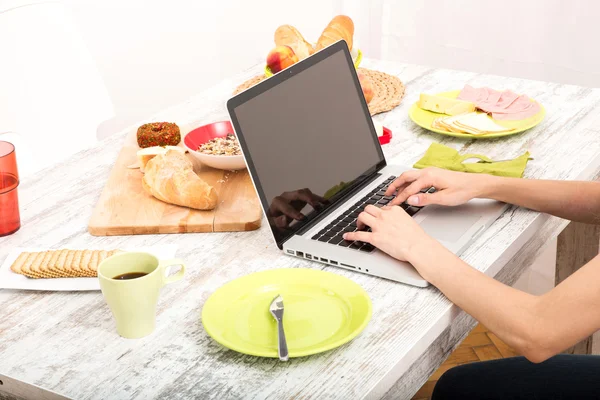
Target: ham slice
[{"x": 505, "y": 105}]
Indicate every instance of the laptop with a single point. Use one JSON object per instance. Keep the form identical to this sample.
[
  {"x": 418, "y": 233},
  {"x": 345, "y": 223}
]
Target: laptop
[{"x": 315, "y": 160}]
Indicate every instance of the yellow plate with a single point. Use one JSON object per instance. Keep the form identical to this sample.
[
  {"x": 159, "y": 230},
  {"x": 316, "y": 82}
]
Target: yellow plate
[
  {"x": 357, "y": 61},
  {"x": 322, "y": 311},
  {"x": 424, "y": 118}
]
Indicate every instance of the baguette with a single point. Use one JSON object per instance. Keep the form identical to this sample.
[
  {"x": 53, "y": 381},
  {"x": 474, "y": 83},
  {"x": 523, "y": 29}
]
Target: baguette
[
  {"x": 340, "y": 27},
  {"x": 287, "y": 35},
  {"x": 170, "y": 177},
  {"x": 147, "y": 154}
]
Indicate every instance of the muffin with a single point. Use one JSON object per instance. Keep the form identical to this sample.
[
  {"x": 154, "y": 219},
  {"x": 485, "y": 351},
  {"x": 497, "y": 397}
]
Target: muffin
[{"x": 158, "y": 134}]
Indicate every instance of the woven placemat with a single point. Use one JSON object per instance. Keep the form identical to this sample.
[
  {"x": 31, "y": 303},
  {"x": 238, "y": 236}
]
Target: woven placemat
[{"x": 388, "y": 89}]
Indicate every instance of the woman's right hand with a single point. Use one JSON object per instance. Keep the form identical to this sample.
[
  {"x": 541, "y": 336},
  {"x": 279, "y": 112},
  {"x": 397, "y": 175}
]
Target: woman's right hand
[{"x": 452, "y": 188}]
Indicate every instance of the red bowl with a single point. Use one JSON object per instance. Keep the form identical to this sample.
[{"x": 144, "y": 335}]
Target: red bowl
[{"x": 199, "y": 136}]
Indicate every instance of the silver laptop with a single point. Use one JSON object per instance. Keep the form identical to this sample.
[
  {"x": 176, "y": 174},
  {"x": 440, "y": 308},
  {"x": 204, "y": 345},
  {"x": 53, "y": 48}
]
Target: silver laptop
[{"x": 315, "y": 160}]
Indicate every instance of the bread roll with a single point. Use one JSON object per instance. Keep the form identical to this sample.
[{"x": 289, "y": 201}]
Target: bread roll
[
  {"x": 340, "y": 27},
  {"x": 170, "y": 177},
  {"x": 287, "y": 35}
]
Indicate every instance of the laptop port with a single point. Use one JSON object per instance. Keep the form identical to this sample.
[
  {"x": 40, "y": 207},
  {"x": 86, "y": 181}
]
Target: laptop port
[
  {"x": 324, "y": 259},
  {"x": 300, "y": 254},
  {"x": 309, "y": 256},
  {"x": 291, "y": 252},
  {"x": 333, "y": 262},
  {"x": 346, "y": 265}
]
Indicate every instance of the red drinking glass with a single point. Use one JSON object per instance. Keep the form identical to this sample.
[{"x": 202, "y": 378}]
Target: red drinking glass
[{"x": 10, "y": 220}]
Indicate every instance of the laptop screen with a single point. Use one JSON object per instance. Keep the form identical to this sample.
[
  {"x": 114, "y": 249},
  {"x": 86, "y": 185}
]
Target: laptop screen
[{"x": 308, "y": 139}]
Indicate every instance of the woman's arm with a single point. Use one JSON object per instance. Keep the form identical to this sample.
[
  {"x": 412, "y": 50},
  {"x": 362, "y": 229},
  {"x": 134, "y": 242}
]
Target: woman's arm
[
  {"x": 537, "y": 327},
  {"x": 573, "y": 200}
]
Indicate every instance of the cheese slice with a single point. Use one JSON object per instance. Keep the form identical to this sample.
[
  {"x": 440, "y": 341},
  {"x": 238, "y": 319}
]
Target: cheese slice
[
  {"x": 378, "y": 128},
  {"x": 445, "y": 105},
  {"x": 472, "y": 123},
  {"x": 479, "y": 123}
]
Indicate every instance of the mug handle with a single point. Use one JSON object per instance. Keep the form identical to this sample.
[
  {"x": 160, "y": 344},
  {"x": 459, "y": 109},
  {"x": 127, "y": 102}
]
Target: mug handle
[{"x": 163, "y": 265}]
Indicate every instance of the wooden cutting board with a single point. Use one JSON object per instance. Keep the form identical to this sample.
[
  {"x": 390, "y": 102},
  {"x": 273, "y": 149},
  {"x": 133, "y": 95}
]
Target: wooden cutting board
[{"x": 125, "y": 208}]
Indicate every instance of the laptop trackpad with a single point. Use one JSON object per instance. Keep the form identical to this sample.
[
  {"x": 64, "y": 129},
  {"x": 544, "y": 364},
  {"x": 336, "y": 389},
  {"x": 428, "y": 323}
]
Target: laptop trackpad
[{"x": 448, "y": 224}]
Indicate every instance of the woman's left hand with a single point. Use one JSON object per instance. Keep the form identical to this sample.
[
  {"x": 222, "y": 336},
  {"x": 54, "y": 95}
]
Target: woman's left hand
[{"x": 393, "y": 231}]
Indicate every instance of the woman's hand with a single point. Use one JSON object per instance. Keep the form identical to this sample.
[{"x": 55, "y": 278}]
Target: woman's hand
[
  {"x": 452, "y": 188},
  {"x": 393, "y": 231}
]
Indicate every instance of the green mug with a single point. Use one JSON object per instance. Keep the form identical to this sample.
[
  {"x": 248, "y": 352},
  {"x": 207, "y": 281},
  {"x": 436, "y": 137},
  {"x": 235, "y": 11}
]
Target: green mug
[{"x": 133, "y": 301}]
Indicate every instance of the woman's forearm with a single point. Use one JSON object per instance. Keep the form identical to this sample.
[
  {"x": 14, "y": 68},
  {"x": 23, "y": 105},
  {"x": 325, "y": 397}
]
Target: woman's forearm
[
  {"x": 507, "y": 312},
  {"x": 536, "y": 326},
  {"x": 573, "y": 200}
]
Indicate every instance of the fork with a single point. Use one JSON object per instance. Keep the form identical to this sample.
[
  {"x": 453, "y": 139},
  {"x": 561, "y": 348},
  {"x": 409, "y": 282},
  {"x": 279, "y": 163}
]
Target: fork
[{"x": 276, "y": 310}]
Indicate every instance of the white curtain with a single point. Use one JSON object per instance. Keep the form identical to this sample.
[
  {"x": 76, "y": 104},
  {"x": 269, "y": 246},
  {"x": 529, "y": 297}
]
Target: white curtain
[
  {"x": 51, "y": 95},
  {"x": 553, "y": 40}
]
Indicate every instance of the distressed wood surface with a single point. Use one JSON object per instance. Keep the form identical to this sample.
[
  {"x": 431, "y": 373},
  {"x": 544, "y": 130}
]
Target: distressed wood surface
[
  {"x": 576, "y": 246},
  {"x": 66, "y": 342},
  {"x": 124, "y": 207}
]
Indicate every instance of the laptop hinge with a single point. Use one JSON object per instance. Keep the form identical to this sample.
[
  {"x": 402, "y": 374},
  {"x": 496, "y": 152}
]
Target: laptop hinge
[{"x": 340, "y": 202}]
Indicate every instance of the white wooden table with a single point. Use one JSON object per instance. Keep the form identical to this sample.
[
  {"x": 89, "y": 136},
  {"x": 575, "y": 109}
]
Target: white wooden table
[{"x": 67, "y": 343}]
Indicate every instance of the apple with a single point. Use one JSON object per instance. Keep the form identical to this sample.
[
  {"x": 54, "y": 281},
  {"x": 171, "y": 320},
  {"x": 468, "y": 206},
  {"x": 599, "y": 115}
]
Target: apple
[
  {"x": 367, "y": 86},
  {"x": 280, "y": 58}
]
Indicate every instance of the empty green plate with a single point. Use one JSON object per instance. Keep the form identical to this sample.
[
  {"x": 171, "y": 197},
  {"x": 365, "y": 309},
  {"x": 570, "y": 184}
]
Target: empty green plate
[{"x": 322, "y": 311}]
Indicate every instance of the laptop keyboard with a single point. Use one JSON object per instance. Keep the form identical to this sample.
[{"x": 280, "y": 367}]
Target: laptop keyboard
[{"x": 347, "y": 221}]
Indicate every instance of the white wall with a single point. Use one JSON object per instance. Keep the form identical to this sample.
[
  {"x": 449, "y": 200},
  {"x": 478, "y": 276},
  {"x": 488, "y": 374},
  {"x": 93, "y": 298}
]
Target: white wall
[
  {"x": 551, "y": 40},
  {"x": 153, "y": 54}
]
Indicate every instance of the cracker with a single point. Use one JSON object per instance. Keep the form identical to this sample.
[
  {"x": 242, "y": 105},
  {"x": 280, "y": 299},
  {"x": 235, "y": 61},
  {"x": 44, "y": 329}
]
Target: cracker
[
  {"x": 93, "y": 265},
  {"x": 41, "y": 268},
  {"x": 53, "y": 261},
  {"x": 69, "y": 267},
  {"x": 85, "y": 261},
  {"x": 30, "y": 268},
  {"x": 60, "y": 263},
  {"x": 19, "y": 262},
  {"x": 76, "y": 264}
]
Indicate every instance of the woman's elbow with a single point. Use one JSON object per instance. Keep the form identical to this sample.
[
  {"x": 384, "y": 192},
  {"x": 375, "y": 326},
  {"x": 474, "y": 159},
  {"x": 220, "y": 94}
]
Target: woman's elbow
[
  {"x": 537, "y": 356},
  {"x": 536, "y": 346}
]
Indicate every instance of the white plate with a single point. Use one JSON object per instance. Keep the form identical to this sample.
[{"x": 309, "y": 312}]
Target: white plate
[{"x": 10, "y": 280}]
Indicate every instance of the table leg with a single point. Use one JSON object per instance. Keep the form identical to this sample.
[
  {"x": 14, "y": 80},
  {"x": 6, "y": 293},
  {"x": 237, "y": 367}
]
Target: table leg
[{"x": 577, "y": 245}]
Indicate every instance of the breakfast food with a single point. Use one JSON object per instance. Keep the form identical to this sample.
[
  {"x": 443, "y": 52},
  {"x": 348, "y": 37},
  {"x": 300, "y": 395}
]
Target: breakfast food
[
  {"x": 445, "y": 105},
  {"x": 340, "y": 27},
  {"x": 292, "y": 47},
  {"x": 60, "y": 263},
  {"x": 287, "y": 35},
  {"x": 280, "y": 58},
  {"x": 473, "y": 123},
  {"x": 147, "y": 154},
  {"x": 505, "y": 105},
  {"x": 221, "y": 146},
  {"x": 367, "y": 86},
  {"x": 170, "y": 177},
  {"x": 158, "y": 134}
]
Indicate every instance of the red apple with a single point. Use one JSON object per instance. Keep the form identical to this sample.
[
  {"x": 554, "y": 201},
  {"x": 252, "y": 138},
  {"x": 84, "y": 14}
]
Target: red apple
[{"x": 280, "y": 58}]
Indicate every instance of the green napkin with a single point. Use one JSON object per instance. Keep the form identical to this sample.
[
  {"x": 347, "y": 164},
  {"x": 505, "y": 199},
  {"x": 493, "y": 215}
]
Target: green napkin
[{"x": 445, "y": 157}]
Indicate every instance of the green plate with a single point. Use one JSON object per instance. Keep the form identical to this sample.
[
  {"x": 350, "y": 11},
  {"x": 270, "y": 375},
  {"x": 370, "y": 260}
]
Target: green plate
[
  {"x": 322, "y": 311},
  {"x": 424, "y": 118}
]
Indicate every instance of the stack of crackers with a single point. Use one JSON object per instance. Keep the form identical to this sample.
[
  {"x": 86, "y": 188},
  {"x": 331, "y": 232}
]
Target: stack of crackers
[{"x": 60, "y": 263}]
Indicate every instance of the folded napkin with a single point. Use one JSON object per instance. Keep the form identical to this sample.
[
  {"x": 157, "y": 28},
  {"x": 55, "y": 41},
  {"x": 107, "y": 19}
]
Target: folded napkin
[{"x": 445, "y": 157}]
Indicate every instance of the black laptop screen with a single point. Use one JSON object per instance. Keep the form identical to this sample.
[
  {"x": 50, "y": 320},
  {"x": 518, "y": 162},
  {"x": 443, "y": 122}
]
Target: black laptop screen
[{"x": 308, "y": 139}]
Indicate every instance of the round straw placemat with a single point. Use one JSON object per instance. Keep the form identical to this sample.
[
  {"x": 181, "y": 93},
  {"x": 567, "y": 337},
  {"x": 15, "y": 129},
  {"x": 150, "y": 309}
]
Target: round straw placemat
[{"x": 388, "y": 89}]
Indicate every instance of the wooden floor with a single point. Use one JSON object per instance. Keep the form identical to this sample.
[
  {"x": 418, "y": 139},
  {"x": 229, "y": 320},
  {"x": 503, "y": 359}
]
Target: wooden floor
[{"x": 480, "y": 345}]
